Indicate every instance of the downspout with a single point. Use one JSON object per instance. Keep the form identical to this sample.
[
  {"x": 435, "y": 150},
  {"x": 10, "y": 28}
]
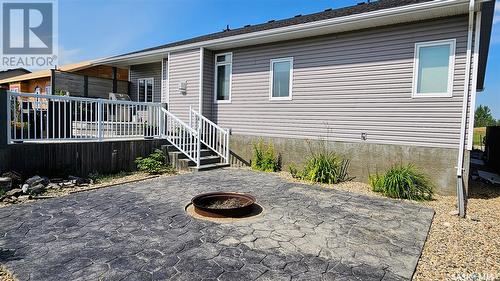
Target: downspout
[
  {"x": 460, "y": 165},
  {"x": 475, "y": 68}
]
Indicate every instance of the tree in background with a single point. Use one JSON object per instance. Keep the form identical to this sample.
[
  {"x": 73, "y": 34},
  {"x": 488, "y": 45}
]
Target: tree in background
[{"x": 483, "y": 117}]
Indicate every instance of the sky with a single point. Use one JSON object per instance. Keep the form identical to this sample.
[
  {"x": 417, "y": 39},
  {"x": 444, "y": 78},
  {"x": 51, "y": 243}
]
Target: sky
[{"x": 90, "y": 29}]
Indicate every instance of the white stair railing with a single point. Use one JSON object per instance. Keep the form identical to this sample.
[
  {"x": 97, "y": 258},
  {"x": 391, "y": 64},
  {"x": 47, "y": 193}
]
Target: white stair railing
[
  {"x": 212, "y": 135},
  {"x": 52, "y": 118},
  {"x": 182, "y": 136}
]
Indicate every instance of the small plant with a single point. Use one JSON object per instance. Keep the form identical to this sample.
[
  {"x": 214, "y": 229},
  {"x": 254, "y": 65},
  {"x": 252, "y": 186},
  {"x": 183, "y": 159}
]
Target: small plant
[
  {"x": 154, "y": 163},
  {"x": 323, "y": 166},
  {"x": 404, "y": 182},
  {"x": 264, "y": 158}
]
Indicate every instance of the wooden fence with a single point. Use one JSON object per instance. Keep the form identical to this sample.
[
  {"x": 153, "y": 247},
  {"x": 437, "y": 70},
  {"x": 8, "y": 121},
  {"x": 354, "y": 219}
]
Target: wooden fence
[
  {"x": 80, "y": 159},
  {"x": 86, "y": 86}
]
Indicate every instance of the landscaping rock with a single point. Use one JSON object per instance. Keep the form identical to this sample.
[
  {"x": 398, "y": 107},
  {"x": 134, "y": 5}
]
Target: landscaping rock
[
  {"x": 36, "y": 180},
  {"x": 14, "y": 192},
  {"x": 23, "y": 198},
  {"x": 37, "y": 189},
  {"x": 5, "y": 183},
  {"x": 16, "y": 177},
  {"x": 78, "y": 180},
  {"x": 66, "y": 184},
  {"x": 53, "y": 186},
  {"x": 25, "y": 188}
]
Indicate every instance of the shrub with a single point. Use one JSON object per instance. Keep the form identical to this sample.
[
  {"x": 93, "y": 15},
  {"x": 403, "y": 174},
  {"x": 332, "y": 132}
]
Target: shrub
[
  {"x": 154, "y": 163},
  {"x": 264, "y": 157},
  {"x": 324, "y": 167},
  {"x": 404, "y": 182}
]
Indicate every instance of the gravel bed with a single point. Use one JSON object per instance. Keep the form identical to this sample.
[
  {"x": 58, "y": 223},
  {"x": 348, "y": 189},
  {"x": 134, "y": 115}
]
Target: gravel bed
[
  {"x": 456, "y": 248},
  {"x": 5, "y": 275}
]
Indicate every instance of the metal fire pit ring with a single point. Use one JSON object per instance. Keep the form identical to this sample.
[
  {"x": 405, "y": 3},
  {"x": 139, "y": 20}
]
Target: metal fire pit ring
[{"x": 201, "y": 201}]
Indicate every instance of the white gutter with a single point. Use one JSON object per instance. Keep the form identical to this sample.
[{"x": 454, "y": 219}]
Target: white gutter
[
  {"x": 460, "y": 165},
  {"x": 474, "y": 80},
  {"x": 375, "y": 15}
]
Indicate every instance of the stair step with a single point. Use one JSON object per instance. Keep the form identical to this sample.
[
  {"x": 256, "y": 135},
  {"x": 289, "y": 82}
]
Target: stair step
[
  {"x": 207, "y": 167},
  {"x": 203, "y": 153},
  {"x": 210, "y": 159}
]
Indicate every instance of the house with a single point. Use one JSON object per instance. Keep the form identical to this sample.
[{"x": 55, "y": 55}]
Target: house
[
  {"x": 382, "y": 82},
  {"x": 78, "y": 79},
  {"x": 4, "y": 74}
]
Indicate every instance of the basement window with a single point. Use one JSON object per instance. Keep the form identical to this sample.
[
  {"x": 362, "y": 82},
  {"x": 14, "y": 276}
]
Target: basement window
[
  {"x": 281, "y": 74},
  {"x": 433, "y": 69}
]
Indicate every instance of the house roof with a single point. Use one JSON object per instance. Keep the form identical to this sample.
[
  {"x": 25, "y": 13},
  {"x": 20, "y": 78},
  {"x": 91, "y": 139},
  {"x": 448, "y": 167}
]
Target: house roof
[
  {"x": 13, "y": 72},
  {"x": 46, "y": 72},
  {"x": 298, "y": 19}
]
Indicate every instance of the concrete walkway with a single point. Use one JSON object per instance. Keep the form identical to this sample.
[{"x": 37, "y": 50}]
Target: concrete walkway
[{"x": 141, "y": 232}]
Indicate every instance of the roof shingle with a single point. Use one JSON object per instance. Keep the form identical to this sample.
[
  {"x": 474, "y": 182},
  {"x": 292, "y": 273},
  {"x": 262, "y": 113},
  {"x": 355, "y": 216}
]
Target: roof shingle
[{"x": 301, "y": 19}]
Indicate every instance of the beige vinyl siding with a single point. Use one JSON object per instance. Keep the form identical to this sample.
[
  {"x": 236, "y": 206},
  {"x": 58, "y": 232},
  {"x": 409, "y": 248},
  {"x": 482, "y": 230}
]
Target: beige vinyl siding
[
  {"x": 147, "y": 70},
  {"x": 208, "y": 83},
  {"x": 348, "y": 84},
  {"x": 184, "y": 66},
  {"x": 164, "y": 81}
]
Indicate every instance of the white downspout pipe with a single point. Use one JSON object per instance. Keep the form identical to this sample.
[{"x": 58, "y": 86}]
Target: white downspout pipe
[{"x": 460, "y": 165}]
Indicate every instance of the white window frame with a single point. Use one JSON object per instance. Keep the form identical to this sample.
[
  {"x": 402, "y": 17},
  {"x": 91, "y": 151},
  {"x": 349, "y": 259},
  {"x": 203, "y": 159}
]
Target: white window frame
[
  {"x": 230, "y": 64},
  {"x": 271, "y": 79},
  {"x": 451, "y": 68},
  {"x": 145, "y": 94}
]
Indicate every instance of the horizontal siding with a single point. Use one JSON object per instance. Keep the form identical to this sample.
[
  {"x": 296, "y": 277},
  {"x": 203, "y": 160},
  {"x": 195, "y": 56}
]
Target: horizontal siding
[
  {"x": 184, "y": 66},
  {"x": 348, "y": 84},
  {"x": 148, "y": 70},
  {"x": 208, "y": 83}
]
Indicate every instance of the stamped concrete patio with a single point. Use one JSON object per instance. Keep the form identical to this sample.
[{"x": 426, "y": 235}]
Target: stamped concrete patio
[{"x": 141, "y": 232}]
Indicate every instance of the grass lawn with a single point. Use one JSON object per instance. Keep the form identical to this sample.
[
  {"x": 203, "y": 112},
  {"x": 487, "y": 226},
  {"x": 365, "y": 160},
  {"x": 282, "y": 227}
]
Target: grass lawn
[{"x": 479, "y": 134}]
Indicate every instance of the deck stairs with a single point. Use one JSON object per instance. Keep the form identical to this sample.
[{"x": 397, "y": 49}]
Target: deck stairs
[
  {"x": 198, "y": 145},
  {"x": 208, "y": 158}
]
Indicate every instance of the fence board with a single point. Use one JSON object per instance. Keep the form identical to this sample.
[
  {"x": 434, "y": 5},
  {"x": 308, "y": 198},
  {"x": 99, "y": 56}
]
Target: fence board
[{"x": 59, "y": 159}]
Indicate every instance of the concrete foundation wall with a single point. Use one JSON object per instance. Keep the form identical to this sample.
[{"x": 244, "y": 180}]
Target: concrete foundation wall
[{"x": 365, "y": 158}]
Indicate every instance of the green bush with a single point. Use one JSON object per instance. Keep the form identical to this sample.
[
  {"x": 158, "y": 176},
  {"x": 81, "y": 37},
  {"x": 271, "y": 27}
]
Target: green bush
[
  {"x": 264, "y": 157},
  {"x": 154, "y": 163},
  {"x": 404, "y": 182},
  {"x": 323, "y": 166}
]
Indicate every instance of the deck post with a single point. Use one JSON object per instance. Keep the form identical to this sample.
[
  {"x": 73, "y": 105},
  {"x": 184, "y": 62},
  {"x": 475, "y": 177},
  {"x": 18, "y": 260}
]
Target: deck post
[
  {"x": 198, "y": 153},
  {"x": 100, "y": 119},
  {"x": 227, "y": 146},
  {"x": 4, "y": 119}
]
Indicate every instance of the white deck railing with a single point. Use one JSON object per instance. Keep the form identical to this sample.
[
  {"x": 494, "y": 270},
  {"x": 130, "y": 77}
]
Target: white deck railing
[
  {"x": 51, "y": 118},
  {"x": 212, "y": 135},
  {"x": 182, "y": 136}
]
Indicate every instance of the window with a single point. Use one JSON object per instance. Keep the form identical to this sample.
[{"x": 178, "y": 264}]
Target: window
[
  {"x": 281, "y": 79},
  {"x": 145, "y": 89},
  {"x": 223, "y": 68},
  {"x": 433, "y": 69}
]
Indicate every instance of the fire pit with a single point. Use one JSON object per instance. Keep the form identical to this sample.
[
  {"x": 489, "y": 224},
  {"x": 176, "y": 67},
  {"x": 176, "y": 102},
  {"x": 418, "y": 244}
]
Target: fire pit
[{"x": 224, "y": 205}]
